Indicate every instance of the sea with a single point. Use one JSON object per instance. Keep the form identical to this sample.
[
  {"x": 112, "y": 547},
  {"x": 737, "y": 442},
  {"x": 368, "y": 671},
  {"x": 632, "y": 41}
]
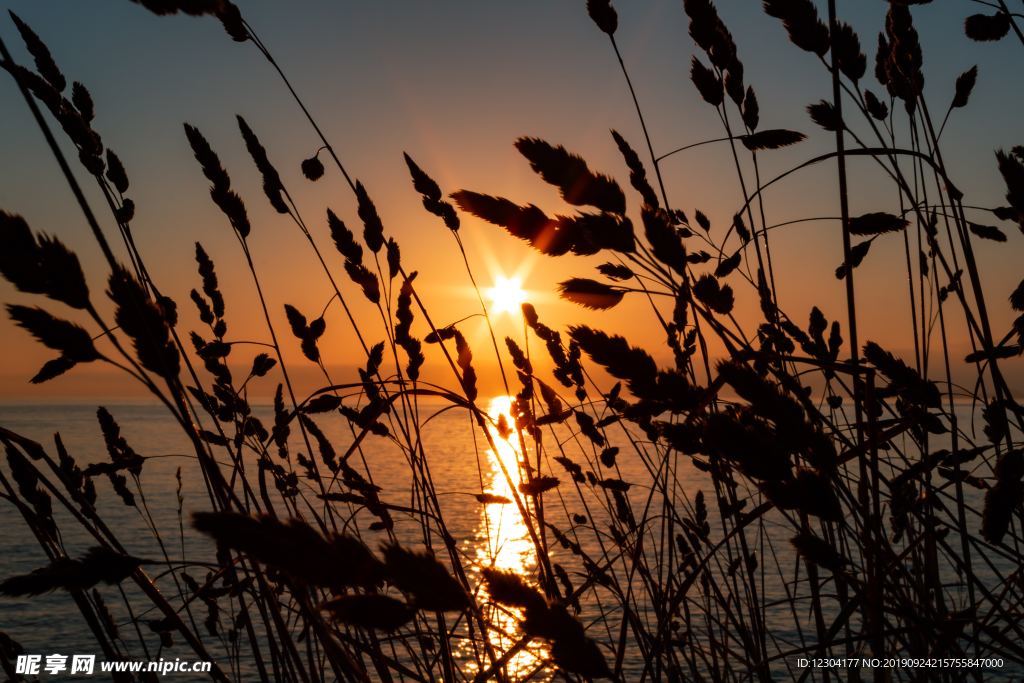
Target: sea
[{"x": 461, "y": 466}]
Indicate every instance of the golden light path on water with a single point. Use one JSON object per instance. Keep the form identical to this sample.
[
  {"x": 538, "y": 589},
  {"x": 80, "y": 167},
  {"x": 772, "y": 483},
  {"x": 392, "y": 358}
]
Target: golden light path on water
[
  {"x": 502, "y": 541},
  {"x": 508, "y": 544}
]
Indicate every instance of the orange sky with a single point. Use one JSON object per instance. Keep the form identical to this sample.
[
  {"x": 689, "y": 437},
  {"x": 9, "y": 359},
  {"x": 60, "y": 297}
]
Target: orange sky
[{"x": 454, "y": 86}]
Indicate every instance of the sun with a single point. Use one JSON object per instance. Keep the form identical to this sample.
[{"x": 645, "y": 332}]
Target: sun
[{"x": 507, "y": 295}]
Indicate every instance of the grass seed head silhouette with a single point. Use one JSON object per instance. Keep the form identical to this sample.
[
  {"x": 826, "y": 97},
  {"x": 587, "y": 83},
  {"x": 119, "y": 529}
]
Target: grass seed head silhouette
[{"x": 826, "y": 458}]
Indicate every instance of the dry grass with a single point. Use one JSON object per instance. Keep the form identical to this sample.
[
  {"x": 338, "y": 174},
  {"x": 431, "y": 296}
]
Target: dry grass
[{"x": 846, "y": 510}]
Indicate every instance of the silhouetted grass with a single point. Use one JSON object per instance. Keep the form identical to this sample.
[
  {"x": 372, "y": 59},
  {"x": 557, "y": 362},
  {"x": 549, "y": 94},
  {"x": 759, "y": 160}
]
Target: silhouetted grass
[{"x": 845, "y": 508}]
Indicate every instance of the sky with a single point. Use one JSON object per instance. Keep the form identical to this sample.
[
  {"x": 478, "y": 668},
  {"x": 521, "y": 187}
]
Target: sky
[{"x": 454, "y": 84}]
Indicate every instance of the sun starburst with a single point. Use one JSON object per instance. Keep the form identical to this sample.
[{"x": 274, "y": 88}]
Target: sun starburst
[{"x": 507, "y": 295}]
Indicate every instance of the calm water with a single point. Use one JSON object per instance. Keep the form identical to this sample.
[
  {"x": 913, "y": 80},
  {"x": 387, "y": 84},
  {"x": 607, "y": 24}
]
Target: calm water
[{"x": 460, "y": 464}]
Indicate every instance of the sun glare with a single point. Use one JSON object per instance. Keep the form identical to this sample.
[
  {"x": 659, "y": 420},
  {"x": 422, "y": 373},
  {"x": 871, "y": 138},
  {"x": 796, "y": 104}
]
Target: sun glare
[
  {"x": 503, "y": 541},
  {"x": 507, "y": 295}
]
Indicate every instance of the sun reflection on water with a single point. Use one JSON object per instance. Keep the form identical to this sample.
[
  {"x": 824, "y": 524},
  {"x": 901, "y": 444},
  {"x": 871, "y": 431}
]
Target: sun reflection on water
[
  {"x": 502, "y": 540},
  {"x": 508, "y": 544}
]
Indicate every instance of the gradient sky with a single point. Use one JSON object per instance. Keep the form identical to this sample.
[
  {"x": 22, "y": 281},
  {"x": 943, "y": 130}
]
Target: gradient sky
[{"x": 454, "y": 84}]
